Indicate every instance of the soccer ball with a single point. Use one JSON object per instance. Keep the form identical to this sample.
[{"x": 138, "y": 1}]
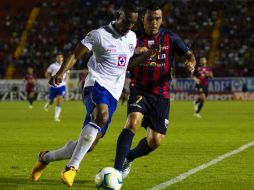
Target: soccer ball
[{"x": 108, "y": 178}]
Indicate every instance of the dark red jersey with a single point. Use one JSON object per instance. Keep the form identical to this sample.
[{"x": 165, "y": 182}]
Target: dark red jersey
[
  {"x": 30, "y": 82},
  {"x": 155, "y": 73},
  {"x": 202, "y": 73}
]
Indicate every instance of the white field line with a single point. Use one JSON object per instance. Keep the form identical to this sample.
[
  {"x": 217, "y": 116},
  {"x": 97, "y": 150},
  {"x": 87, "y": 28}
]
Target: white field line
[{"x": 199, "y": 168}]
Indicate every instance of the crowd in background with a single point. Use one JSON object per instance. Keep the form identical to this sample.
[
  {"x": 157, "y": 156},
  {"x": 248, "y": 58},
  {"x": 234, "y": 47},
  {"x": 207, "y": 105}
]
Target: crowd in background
[{"x": 60, "y": 25}]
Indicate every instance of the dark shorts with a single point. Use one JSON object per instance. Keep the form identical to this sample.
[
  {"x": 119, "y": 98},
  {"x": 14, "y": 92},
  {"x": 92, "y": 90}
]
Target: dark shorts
[
  {"x": 202, "y": 89},
  {"x": 30, "y": 88},
  {"x": 155, "y": 109}
]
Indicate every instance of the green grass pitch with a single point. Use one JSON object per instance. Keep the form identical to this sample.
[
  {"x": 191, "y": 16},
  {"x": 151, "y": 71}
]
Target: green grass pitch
[{"x": 190, "y": 142}]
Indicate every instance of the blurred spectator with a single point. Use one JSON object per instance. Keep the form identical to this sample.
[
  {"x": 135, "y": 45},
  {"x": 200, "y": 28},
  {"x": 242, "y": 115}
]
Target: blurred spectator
[{"x": 60, "y": 24}]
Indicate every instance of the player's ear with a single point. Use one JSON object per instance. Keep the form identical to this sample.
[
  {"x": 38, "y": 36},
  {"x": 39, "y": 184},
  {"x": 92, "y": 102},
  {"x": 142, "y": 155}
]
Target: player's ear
[
  {"x": 143, "y": 17},
  {"x": 118, "y": 14}
]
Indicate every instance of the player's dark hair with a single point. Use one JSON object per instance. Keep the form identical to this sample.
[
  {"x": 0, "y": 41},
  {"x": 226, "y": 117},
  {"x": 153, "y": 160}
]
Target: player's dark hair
[
  {"x": 129, "y": 7},
  {"x": 153, "y": 6}
]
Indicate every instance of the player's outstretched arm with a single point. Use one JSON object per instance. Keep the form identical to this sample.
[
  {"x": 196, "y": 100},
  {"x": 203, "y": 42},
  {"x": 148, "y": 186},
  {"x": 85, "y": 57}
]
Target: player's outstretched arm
[
  {"x": 190, "y": 62},
  {"x": 78, "y": 52},
  {"x": 143, "y": 53}
]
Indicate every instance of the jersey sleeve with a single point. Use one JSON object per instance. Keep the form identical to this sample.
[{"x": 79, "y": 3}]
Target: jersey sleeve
[
  {"x": 92, "y": 40},
  {"x": 50, "y": 69},
  {"x": 179, "y": 46}
]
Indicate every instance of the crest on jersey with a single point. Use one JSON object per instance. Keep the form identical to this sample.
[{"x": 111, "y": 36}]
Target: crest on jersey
[
  {"x": 150, "y": 43},
  {"x": 121, "y": 61},
  {"x": 131, "y": 47}
]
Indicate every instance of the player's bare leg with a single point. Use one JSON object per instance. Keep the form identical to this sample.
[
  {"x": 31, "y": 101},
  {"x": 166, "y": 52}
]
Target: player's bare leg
[
  {"x": 86, "y": 139},
  {"x": 48, "y": 104},
  {"x": 145, "y": 146},
  {"x": 199, "y": 105},
  {"x": 58, "y": 108}
]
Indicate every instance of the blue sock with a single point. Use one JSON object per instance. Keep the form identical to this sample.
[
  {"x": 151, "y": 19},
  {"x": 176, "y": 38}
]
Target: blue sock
[
  {"x": 141, "y": 149},
  {"x": 123, "y": 147}
]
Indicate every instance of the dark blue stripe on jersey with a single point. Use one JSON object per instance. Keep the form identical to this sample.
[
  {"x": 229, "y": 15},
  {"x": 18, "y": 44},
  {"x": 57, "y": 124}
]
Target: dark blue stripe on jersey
[
  {"x": 150, "y": 70},
  {"x": 155, "y": 79},
  {"x": 162, "y": 61}
]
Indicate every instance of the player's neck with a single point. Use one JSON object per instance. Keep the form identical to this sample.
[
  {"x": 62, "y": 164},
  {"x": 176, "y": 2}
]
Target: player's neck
[{"x": 116, "y": 27}]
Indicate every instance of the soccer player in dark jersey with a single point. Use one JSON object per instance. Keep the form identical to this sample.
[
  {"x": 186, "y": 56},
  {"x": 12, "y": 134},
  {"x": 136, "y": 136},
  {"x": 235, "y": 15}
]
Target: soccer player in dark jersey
[
  {"x": 148, "y": 103},
  {"x": 201, "y": 77},
  {"x": 30, "y": 80}
]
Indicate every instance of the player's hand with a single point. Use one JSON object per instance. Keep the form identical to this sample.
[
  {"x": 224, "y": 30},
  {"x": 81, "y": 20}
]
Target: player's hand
[
  {"x": 56, "y": 80},
  {"x": 140, "y": 50},
  {"x": 155, "y": 49},
  {"x": 190, "y": 66}
]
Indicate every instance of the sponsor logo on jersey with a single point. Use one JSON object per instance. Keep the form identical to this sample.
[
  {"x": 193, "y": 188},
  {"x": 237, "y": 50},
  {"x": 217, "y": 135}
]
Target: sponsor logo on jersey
[
  {"x": 121, "y": 61},
  {"x": 150, "y": 43}
]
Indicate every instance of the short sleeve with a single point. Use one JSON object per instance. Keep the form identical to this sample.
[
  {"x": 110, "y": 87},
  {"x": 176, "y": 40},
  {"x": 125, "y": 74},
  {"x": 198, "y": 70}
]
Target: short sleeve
[
  {"x": 92, "y": 40},
  {"x": 50, "y": 69},
  {"x": 179, "y": 46}
]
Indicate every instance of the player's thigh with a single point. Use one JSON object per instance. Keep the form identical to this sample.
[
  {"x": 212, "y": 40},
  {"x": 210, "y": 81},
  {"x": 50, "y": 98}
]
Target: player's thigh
[
  {"x": 202, "y": 96},
  {"x": 100, "y": 113},
  {"x": 59, "y": 99}
]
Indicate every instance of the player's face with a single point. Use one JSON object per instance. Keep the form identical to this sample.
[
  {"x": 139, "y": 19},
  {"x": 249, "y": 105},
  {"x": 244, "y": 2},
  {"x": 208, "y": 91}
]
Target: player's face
[
  {"x": 30, "y": 70},
  {"x": 152, "y": 21},
  {"x": 59, "y": 59},
  {"x": 126, "y": 21},
  {"x": 203, "y": 61}
]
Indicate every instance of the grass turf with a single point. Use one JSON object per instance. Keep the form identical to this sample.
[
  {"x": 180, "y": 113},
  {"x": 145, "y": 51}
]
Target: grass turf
[{"x": 190, "y": 142}]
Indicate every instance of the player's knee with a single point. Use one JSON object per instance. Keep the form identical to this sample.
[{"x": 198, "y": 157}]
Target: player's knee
[
  {"x": 154, "y": 142},
  {"x": 101, "y": 118},
  {"x": 132, "y": 123},
  {"x": 104, "y": 117}
]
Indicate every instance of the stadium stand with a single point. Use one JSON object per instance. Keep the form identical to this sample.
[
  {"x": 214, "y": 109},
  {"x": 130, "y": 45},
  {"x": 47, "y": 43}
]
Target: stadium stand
[{"x": 61, "y": 24}]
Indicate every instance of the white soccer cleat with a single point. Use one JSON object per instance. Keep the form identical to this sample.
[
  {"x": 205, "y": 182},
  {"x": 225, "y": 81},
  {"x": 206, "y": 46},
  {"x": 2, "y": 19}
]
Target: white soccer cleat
[
  {"x": 46, "y": 107},
  {"x": 57, "y": 119},
  {"x": 126, "y": 168},
  {"x": 197, "y": 115},
  {"x": 30, "y": 107}
]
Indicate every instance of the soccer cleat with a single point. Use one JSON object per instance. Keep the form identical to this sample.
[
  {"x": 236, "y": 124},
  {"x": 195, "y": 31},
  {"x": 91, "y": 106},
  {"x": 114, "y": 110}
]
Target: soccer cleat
[
  {"x": 30, "y": 107},
  {"x": 126, "y": 168},
  {"x": 197, "y": 115},
  {"x": 46, "y": 107},
  {"x": 68, "y": 175},
  {"x": 57, "y": 119},
  {"x": 39, "y": 166}
]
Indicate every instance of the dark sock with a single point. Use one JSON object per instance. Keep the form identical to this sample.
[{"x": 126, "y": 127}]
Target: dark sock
[
  {"x": 197, "y": 100},
  {"x": 30, "y": 100},
  {"x": 200, "y": 105},
  {"x": 123, "y": 147},
  {"x": 141, "y": 149}
]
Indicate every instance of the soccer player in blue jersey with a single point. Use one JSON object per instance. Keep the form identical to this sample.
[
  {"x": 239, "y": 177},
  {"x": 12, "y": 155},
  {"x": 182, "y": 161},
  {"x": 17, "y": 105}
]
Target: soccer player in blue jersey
[
  {"x": 148, "y": 103},
  {"x": 112, "y": 46}
]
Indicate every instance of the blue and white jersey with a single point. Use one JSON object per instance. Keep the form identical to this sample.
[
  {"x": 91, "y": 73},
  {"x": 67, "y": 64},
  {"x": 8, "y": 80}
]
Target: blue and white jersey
[
  {"x": 52, "y": 69},
  {"x": 111, "y": 55}
]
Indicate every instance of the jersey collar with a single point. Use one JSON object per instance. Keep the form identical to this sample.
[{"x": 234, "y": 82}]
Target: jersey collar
[{"x": 114, "y": 30}]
